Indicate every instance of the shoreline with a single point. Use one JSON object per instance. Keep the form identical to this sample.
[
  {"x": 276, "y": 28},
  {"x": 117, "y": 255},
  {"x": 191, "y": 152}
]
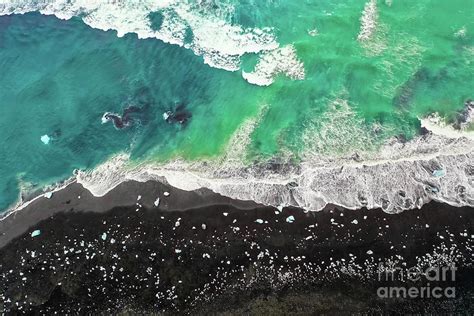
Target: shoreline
[
  {"x": 403, "y": 176},
  {"x": 410, "y": 165},
  {"x": 74, "y": 198},
  {"x": 278, "y": 179}
]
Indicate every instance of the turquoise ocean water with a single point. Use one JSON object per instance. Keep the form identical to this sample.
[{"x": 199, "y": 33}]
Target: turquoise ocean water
[{"x": 59, "y": 77}]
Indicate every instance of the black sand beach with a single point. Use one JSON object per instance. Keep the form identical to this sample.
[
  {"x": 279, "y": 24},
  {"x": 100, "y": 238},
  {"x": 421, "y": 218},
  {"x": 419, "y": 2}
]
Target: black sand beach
[{"x": 201, "y": 253}]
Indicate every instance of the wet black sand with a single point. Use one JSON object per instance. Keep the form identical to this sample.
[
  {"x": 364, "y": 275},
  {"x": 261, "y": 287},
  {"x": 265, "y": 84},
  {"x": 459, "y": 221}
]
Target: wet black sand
[{"x": 200, "y": 253}]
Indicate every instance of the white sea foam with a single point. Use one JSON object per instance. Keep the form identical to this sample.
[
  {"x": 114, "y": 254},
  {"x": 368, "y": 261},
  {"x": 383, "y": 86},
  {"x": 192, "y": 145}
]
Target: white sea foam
[
  {"x": 337, "y": 131},
  {"x": 461, "y": 32},
  {"x": 220, "y": 43},
  {"x": 368, "y": 20},
  {"x": 272, "y": 63},
  {"x": 437, "y": 125}
]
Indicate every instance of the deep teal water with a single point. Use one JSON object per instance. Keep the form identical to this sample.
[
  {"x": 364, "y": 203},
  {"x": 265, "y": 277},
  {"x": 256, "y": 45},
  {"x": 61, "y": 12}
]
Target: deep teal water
[{"x": 59, "y": 77}]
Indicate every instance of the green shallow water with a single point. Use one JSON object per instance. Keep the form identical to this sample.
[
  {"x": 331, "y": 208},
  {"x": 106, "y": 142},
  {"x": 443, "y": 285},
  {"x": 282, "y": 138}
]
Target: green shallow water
[{"x": 59, "y": 77}]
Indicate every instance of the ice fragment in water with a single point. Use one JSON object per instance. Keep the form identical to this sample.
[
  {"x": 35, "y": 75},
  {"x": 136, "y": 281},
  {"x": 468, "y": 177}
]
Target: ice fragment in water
[
  {"x": 439, "y": 173},
  {"x": 45, "y": 139}
]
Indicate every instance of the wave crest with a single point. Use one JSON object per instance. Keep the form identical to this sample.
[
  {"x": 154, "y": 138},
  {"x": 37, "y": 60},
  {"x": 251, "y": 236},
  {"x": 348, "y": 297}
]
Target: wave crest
[{"x": 220, "y": 43}]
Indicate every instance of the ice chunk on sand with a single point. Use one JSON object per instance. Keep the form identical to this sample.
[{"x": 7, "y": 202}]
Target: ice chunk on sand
[
  {"x": 104, "y": 236},
  {"x": 36, "y": 233},
  {"x": 157, "y": 202},
  {"x": 260, "y": 221},
  {"x": 166, "y": 194},
  {"x": 290, "y": 219},
  {"x": 45, "y": 139},
  {"x": 48, "y": 195}
]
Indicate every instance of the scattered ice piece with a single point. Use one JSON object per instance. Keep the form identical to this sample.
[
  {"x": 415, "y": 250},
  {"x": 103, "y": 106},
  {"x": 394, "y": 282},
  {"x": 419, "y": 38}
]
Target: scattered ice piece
[
  {"x": 166, "y": 193},
  {"x": 370, "y": 252},
  {"x": 427, "y": 226},
  {"x": 33, "y": 254},
  {"x": 290, "y": 219},
  {"x": 112, "y": 241},
  {"x": 439, "y": 173},
  {"x": 48, "y": 195},
  {"x": 280, "y": 208},
  {"x": 203, "y": 226},
  {"x": 260, "y": 221},
  {"x": 139, "y": 198},
  {"x": 157, "y": 202},
  {"x": 104, "y": 236},
  {"x": 225, "y": 214},
  {"x": 177, "y": 250},
  {"x": 355, "y": 222},
  {"x": 36, "y": 233},
  {"x": 206, "y": 255},
  {"x": 365, "y": 217},
  {"x": 177, "y": 223},
  {"x": 166, "y": 115},
  {"x": 309, "y": 237},
  {"x": 277, "y": 212},
  {"x": 45, "y": 139}
]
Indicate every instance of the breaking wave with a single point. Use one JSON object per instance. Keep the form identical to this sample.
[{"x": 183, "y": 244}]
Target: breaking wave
[
  {"x": 204, "y": 30},
  {"x": 279, "y": 61}
]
